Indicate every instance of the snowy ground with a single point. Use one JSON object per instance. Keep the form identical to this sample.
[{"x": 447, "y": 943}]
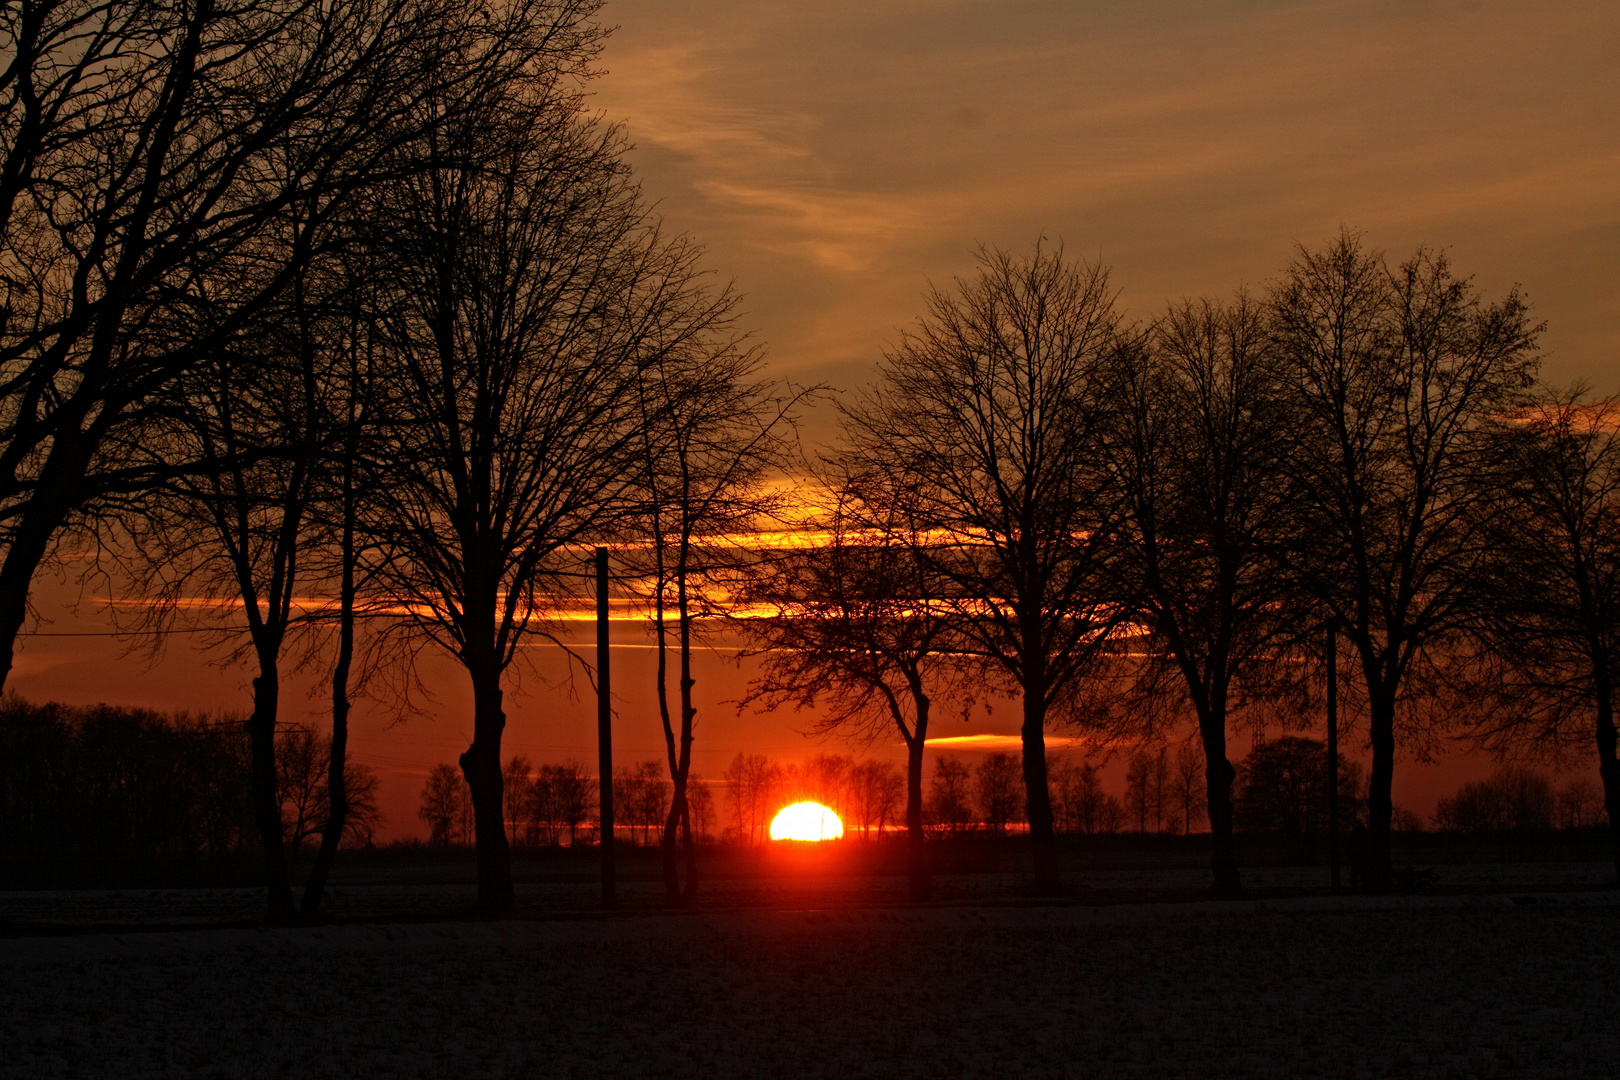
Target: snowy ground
[
  {"x": 1506, "y": 985},
  {"x": 411, "y": 892}
]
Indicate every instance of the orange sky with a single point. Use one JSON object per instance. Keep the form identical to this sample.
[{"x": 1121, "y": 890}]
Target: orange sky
[{"x": 836, "y": 156}]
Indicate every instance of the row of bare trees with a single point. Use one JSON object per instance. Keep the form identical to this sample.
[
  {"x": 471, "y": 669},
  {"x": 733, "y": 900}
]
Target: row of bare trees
[
  {"x": 1130, "y": 526},
  {"x": 865, "y": 795},
  {"x": 355, "y": 302},
  {"x": 546, "y": 806},
  {"x": 1518, "y": 799}
]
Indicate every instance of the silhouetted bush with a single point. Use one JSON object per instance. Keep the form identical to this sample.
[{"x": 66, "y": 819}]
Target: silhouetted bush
[{"x": 1283, "y": 788}]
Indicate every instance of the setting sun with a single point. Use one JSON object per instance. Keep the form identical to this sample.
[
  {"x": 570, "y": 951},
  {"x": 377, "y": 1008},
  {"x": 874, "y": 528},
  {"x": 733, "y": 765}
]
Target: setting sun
[{"x": 806, "y": 821}]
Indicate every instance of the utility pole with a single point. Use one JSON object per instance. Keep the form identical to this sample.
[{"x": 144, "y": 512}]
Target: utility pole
[
  {"x": 1333, "y": 749},
  {"x": 604, "y": 730}
]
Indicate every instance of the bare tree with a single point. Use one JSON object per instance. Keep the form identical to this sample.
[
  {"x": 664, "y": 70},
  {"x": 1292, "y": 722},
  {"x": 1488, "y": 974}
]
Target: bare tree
[
  {"x": 1551, "y": 618},
  {"x": 1282, "y": 788},
  {"x": 1139, "y": 795},
  {"x": 305, "y": 792},
  {"x": 643, "y": 791},
  {"x": 1069, "y": 792},
  {"x": 1186, "y": 786},
  {"x": 237, "y": 532},
  {"x": 821, "y": 778},
  {"x": 517, "y": 791},
  {"x": 1197, "y": 448},
  {"x": 1513, "y": 799},
  {"x": 530, "y": 291},
  {"x": 168, "y": 170},
  {"x": 700, "y": 808},
  {"x": 298, "y": 783},
  {"x": 876, "y": 790},
  {"x": 950, "y": 801},
  {"x": 1580, "y": 804},
  {"x": 1398, "y": 374},
  {"x": 572, "y": 794},
  {"x": 858, "y": 624},
  {"x": 711, "y": 432},
  {"x": 446, "y": 808},
  {"x": 339, "y": 498},
  {"x": 752, "y": 781},
  {"x": 987, "y": 415},
  {"x": 995, "y": 790}
]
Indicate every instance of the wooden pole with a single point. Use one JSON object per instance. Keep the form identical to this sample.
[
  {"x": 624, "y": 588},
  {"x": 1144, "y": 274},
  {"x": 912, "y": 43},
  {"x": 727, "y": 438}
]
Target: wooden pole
[
  {"x": 604, "y": 730},
  {"x": 1333, "y": 750}
]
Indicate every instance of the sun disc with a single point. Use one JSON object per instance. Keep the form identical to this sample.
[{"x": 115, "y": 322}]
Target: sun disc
[{"x": 806, "y": 821}]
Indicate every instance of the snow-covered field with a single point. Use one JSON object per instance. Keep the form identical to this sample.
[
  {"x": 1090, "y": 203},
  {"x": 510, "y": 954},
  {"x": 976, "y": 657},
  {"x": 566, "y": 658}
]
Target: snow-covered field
[
  {"x": 1438, "y": 986},
  {"x": 411, "y": 893}
]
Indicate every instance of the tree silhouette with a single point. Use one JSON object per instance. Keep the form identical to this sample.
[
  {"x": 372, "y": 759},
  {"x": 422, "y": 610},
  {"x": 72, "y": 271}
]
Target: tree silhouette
[
  {"x": 1551, "y": 621},
  {"x": 1147, "y": 779},
  {"x": 752, "y": 782},
  {"x": 712, "y": 432},
  {"x": 950, "y": 801},
  {"x": 85, "y": 791},
  {"x": 858, "y": 623},
  {"x": 168, "y": 170},
  {"x": 446, "y": 808},
  {"x": 995, "y": 790},
  {"x": 303, "y": 782},
  {"x": 876, "y": 791},
  {"x": 987, "y": 415},
  {"x": 1080, "y": 803},
  {"x": 1196, "y": 448},
  {"x": 529, "y": 291},
  {"x": 1398, "y": 374},
  {"x": 1187, "y": 778},
  {"x": 241, "y": 530},
  {"x": 1282, "y": 788},
  {"x": 1513, "y": 799}
]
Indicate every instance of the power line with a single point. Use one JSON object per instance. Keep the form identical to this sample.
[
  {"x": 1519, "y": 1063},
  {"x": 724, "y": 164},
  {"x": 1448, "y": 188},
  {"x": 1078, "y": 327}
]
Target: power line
[{"x": 129, "y": 633}]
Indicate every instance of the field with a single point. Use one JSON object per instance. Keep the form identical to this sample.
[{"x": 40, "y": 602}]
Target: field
[{"x": 806, "y": 972}]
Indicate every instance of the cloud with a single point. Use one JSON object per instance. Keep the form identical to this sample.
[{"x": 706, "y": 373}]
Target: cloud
[
  {"x": 836, "y": 156},
  {"x": 1001, "y": 742}
]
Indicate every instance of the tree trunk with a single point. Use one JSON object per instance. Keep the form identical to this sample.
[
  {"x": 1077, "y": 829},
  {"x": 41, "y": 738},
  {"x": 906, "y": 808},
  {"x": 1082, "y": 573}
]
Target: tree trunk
[
  {"x": 266, "y": 805},
  {"x": 23, "y": 557},
  {"x": 680, "y": 752},
  {"x": 337, "y": 801},
  {"x": 481, "y": 765},
  {"x": 672, "y": 886},
  {"x": 337, "y": 790},
  {"x": 1380, "y": 801},
  {"x": 688, "y": 723},
  {"x": 690, "y": 847},
  {"x": 1332, "y": 668},
  {"x": 670, "y": 844},
  {"x": 1218, "y": 778},
  {"x": 921, "y": 882},
  {"x": 31, "y": 539},
  {"x": 1609, "y": 770},
  {"x": 1042, "y": 840}
]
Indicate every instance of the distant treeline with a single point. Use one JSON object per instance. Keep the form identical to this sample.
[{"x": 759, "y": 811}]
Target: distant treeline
[
  {"x": 133, "y": 784},
  {"x": 121, "y": 778},
  {"x": 1280, "y": 791}
]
